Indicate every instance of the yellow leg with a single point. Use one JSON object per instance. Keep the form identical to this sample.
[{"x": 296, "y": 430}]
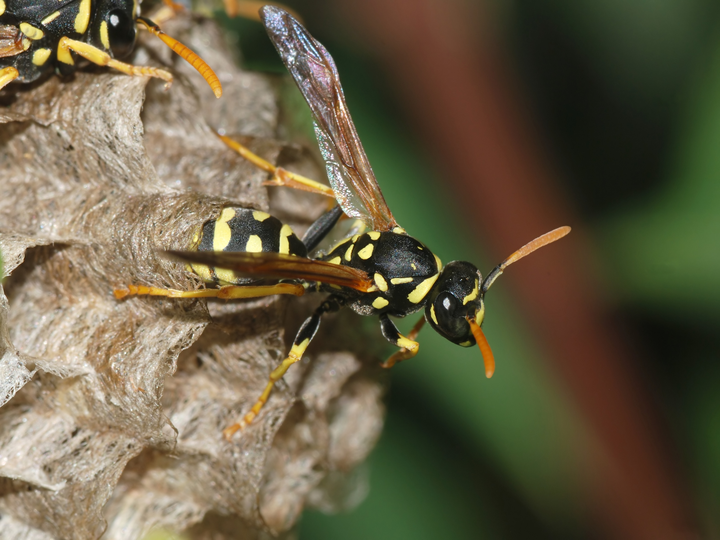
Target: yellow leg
[
  {"x": 281, "y": 177},
  {"x": 229, "y": 292},
  {"x": 8, "y": 75},
  {"x": 101, "y": 58},
  {"x": 295, "y": 355},
  {"x": 408, "y": 346}
]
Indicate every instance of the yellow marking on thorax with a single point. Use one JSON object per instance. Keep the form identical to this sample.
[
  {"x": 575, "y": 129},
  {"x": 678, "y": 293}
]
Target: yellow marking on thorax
[
  {"x": 432, "y": 313},
  {"x": 400, "y": 280},
  {"x": 285, "y": 233},
  {"x": 380, "y": 302},
  {"x": 421, "y": 290},
  {"x": 104, "y": 37},
  {"x": 50, "y": 18},
  {"x": 348, "y": 253},
  {"x": 223, "y": 233},
  {"x": 335, "y": 260},
  {"x": 374, "y": 235},
  {"x": 31, "y": 32},
  {"x": 380, "y": 282},
  {"x": 2, "y": 7},
  {"x": 40, "y": 56},
  {"x": 83, "y": 17},
  {"x": 473, "y": 295},
  {"x": 366, "y": 252},
  {"x": 260, "y": 216},
  {"x": 399, "y": 230},
  {"x": 254, "y": 244}
]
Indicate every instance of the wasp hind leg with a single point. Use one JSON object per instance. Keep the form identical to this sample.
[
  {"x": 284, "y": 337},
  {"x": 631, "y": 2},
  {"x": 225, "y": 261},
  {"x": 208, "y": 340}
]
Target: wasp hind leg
[
  {"x": 300, "y": 344},
  {"x": 280, "y": 177},
  {"x": 8, "y": 75},
  {"x": 228, "y": 292},
  {"x": 408, "y": 346}
]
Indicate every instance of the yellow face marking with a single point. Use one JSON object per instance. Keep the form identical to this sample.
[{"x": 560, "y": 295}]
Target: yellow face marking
[
  {"x": 50, "y": 18},
  {"x": 480, "y": 315},
  {"x": 222, "y": 235},
  {"x": 31, "y": 32},
  {"x": 40, "y": 56},
  {"x": 374, "y": 235},
  {"x": 366, "y": 252},
  {"x": 432, "y": 313},
  {"x": 400, "y": 280},
  {"x": 380, "y": 282},
  {"x": 254, "y": 244},
  {"x": 104, "y": 37},
  {"x": 473, "y": 295},
  {"x": 348, "y": 253},
  {"x": 260, "y": 216},
  {"x": 335, "y": 260},
  {"x": 2, "y": 7},
  {"x": 421, "y": 290},
  {"x": 285, "y": 233},
  {"x": 380, "y": 302},
  {"x": 83, "y": 17}
]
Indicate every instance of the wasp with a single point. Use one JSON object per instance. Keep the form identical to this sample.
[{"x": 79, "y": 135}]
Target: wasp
[
  {"x": 380, "y": 271},
  {"x": 37, "y": 36}
]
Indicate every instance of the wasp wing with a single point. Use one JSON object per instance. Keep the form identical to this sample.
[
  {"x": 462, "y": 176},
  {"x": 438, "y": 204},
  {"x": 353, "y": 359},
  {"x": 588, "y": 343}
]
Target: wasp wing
[
  {"x": 10, "y": 41},
  {"x": 315, "y": 74},
  {"x": 278, "y": 266}
]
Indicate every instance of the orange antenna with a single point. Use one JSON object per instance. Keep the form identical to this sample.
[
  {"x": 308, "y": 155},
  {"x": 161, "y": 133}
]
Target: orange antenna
[
  {"x": 485, "y": 350},
  {"x": 527, "y": 249},
  {"x": 186, "y": 53}
]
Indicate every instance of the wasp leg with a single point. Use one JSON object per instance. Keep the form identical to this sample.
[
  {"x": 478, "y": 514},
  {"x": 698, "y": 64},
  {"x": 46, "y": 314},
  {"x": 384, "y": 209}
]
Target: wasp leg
[
  {"x": 408, "y": 346},
  {"x": 101, "y": 58},
  {"x": 8, "y": 75},
  {"x": 281, "y": 177},
  {"x": 302, "y": 340},
  {"x": 228, "y": 292}
]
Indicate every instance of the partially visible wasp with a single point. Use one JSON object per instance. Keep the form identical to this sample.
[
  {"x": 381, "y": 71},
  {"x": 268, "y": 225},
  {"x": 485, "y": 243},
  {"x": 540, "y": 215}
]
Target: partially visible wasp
[
  {"x": 383, "y": 271},
  {"x": 37, "y": 36}
]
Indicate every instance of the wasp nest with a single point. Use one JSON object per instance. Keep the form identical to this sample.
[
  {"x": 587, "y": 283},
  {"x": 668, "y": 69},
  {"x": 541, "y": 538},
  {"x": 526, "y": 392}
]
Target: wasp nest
[{"x": 111, "y": 411}]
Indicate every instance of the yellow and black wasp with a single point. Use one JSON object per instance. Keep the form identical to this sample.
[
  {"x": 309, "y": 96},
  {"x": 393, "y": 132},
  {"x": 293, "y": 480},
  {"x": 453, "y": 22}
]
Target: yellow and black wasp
[
  {"x": 382, "y": 271},
  {"x": 37, "y": 36}
]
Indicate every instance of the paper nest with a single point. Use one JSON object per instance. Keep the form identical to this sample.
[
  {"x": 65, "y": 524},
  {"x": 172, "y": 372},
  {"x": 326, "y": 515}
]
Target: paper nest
[{"x": 112, "y": 411}]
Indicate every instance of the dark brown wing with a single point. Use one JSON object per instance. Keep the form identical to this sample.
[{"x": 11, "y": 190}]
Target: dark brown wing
[
  {"x": 314, "y": 71},
  {"x": 278, "y": 266},
  {"x": 10, "y": 41}
]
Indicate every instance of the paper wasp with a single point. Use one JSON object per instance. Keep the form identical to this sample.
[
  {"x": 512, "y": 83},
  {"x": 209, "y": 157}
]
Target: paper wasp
[
  {"x": 383, "y": 272},
  {"x": 37, "y": 36}
]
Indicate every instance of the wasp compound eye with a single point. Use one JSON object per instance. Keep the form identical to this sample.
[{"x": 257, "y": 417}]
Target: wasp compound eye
[{"x": 121, "y": 33}]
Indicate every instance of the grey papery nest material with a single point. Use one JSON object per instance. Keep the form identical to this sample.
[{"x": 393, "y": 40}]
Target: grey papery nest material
[{"x": 112, "y": 411}]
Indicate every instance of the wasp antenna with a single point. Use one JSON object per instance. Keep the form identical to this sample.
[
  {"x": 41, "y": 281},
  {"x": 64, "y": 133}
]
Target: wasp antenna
[
  {"x": 185, "y": 52},
  {"x": 250, "y": 9},
  {"x": 485, "y": 350},
  {"x": 527, "y": 249}
]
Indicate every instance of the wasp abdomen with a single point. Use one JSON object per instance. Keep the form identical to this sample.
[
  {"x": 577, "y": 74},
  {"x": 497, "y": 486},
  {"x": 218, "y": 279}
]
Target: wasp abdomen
[{"x": 243, "y": 229}]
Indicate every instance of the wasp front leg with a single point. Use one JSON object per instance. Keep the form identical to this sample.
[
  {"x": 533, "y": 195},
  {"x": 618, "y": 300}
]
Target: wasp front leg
[
  {"x": 408, "y": 346},
  {"x": 300, "y": 344},
  {"x": 101, "y": 58}
]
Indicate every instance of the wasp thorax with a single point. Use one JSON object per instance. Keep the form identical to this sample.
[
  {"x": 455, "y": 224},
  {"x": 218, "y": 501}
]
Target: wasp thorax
[{"x": 455, "y": 298}]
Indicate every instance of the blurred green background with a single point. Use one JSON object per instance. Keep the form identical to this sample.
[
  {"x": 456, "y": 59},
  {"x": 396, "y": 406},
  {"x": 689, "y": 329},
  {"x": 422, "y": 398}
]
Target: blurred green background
[{"x": 625, "y": 98}]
